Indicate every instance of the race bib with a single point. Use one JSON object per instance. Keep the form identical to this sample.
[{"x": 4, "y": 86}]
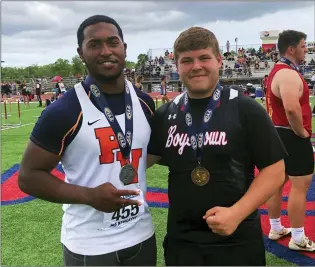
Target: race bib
[{"x": 125, "y": 215}]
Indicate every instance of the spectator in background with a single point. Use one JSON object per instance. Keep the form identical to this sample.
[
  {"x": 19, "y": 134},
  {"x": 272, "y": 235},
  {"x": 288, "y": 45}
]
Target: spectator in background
[
  {"x": 139, "y": 81},
  {"x": 313, "y": 83},
  {"x": 62, "y": 87},
  {"x": 265, "y": 84},
  {"x": 228, "y": 46},
  {"x": 38, "y": 93},
  {"x": 166, "y": 53},
  {"x": 171, "y": 56},
  {"x": 24, "y": 93},
  {"x": 164, "y": 90}
]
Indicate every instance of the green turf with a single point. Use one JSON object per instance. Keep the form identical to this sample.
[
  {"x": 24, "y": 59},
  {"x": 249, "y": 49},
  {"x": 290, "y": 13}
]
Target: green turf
[{"x": 31, "y": 231}]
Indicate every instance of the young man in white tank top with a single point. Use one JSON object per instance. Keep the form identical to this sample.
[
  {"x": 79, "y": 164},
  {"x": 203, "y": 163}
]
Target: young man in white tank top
[{"x": 102, "y": 145}]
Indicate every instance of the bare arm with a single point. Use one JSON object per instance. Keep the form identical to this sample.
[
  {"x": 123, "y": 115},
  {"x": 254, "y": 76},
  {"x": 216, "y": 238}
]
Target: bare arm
[
  {"x": 289, "y": 84},
  {"x": 35, "y": 179},
  {"x": 262, "y": 188},
  {"x": 152, "y": 159}
]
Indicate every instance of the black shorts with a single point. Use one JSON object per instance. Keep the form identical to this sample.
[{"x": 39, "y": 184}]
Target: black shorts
[
  {"x": 300, "y": 161},
  {"x": 178, "y": 253}
]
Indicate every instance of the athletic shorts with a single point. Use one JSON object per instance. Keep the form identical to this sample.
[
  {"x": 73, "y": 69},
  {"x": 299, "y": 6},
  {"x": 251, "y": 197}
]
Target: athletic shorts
[
  {"x": 251, "y": 253},
  {"x": 300, "y": 161}
]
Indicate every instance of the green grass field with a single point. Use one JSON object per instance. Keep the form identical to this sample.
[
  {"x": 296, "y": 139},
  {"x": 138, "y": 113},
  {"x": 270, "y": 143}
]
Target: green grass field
[{"x": 31, "y": 231}]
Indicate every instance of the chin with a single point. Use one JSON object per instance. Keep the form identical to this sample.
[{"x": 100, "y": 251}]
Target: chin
[
  {"x": 109, "y": 77},
  {"x": 199, "y": 90}
]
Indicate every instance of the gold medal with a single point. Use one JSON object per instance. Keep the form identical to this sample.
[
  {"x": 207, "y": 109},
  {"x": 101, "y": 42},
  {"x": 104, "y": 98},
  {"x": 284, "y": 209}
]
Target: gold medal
[{"x": 200, "y": 176}]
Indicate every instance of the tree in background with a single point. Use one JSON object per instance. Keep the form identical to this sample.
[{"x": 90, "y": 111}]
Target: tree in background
[{"x": 61, "y": 67}]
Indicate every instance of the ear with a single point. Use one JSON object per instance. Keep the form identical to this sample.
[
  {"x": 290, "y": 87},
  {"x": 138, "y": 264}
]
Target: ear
[
  {"x": 125, "y": 49},
  {"x": 80, "y": 53},
  {"x": 291, "y": 50},
  {"x": 219, "y": 58}
]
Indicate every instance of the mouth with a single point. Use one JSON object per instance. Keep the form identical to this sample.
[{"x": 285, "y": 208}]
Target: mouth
[
  {"x": 108, "y": 63},
  {"x": 197, "y": 77}
]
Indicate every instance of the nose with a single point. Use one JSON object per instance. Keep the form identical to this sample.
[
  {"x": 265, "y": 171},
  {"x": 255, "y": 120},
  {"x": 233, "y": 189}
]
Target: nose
[
  {"x": 197, "y": 65},
  {"x": 105, "y": 50}
]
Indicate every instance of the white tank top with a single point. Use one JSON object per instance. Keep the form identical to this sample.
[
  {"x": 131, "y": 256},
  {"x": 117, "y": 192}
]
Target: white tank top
[{"x": 86, "y": 230}]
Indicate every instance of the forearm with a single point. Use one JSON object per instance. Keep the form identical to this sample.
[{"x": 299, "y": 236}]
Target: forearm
[
  {"x": 46, "y": 186},
  {"x": 261, "y": 189},
  {"x": 296, "y": 120}
]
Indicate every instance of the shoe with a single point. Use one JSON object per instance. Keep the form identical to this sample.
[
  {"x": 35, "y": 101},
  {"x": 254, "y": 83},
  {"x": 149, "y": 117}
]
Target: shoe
[
  {"x": 305, "y": 245},
  {"x": 274, "y": 235}
]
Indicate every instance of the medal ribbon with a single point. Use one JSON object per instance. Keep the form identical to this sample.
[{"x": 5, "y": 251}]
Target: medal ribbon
[
  {"x": 124, "y": 140},
  {"x": 197, "y": 139},
  {"x": 288, "y": 62}
]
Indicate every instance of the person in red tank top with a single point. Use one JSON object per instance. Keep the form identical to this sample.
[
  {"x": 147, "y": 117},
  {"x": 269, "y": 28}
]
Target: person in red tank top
[{"x": 287, "y": 103}]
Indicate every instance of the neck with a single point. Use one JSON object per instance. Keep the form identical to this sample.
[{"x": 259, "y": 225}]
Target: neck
[
  {"x": 200, "y": 95},
  {"x": 292, "y": 59},
  {"x": 110, "y": 87}
]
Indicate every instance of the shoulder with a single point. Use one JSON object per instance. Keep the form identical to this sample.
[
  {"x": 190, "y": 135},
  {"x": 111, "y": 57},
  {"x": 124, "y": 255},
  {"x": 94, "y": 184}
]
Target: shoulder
[
  {"x": 67, "y": 102},
  {"x": 235, "y": 97},
  {"x": 286, "y": 74},
  {"x": 169, "y": 107},
  {"x": 250, "y": 110},
  {"x": 57, "y": 121}
]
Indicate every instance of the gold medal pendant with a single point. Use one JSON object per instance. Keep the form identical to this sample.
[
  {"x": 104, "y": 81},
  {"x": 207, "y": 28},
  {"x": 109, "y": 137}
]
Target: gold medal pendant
[{"x": 200, "y": 176}]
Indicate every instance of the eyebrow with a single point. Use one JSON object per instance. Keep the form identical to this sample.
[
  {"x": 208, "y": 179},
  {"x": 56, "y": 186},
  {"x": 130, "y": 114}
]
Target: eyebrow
[
  {"x": 111, "y": 38},
  {"x": 203, "y": 55}
]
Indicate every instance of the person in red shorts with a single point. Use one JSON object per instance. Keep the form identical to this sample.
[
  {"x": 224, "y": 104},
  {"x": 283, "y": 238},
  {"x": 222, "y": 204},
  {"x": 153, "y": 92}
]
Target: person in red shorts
[{"x": 288, "y": 106}]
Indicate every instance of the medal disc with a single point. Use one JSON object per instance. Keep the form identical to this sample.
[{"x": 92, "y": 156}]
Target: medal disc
[
  {"x": 127, "y": 174},
  {"x": 200, "y": 176}
]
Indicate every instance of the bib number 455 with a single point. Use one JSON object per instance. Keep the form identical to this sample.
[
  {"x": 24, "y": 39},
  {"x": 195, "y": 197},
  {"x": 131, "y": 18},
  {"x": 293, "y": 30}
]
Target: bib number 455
[
  {"x": 108, "y": 143},
  {"x": 125, "y": 212}
]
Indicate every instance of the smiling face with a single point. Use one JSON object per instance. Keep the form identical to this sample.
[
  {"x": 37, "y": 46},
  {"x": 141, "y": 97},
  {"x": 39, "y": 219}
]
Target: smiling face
[
  {"x": 103, "y": 52},
  {"x": 199, "y": 71},
  {"x": 198, "y": 61}
]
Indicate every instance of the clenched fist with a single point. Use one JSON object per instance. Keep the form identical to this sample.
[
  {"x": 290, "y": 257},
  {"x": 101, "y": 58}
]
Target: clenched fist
[{"x": 221, "y": 220}]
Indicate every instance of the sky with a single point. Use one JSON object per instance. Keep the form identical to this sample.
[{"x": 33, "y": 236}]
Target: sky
[{"x": 41, "y": 32}]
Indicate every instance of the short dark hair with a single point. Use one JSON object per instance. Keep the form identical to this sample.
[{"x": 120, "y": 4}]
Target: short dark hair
[
  {"x": 289, "y": 38},
  {"x": 94, "y": 20}
]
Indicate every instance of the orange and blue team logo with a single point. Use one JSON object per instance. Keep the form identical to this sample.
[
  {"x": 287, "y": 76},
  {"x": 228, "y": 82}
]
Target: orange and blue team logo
[{"x": 157, "y": 197}]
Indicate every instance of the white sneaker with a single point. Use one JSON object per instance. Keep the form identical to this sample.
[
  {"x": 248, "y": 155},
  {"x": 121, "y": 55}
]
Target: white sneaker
[
  {"x": 306, "y": 244},
  {"x": 274, "y": 235}
]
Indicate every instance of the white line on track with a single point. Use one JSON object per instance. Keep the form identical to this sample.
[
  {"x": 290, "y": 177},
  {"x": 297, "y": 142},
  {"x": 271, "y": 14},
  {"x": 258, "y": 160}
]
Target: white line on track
[{"x": 15, "y": 127}]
